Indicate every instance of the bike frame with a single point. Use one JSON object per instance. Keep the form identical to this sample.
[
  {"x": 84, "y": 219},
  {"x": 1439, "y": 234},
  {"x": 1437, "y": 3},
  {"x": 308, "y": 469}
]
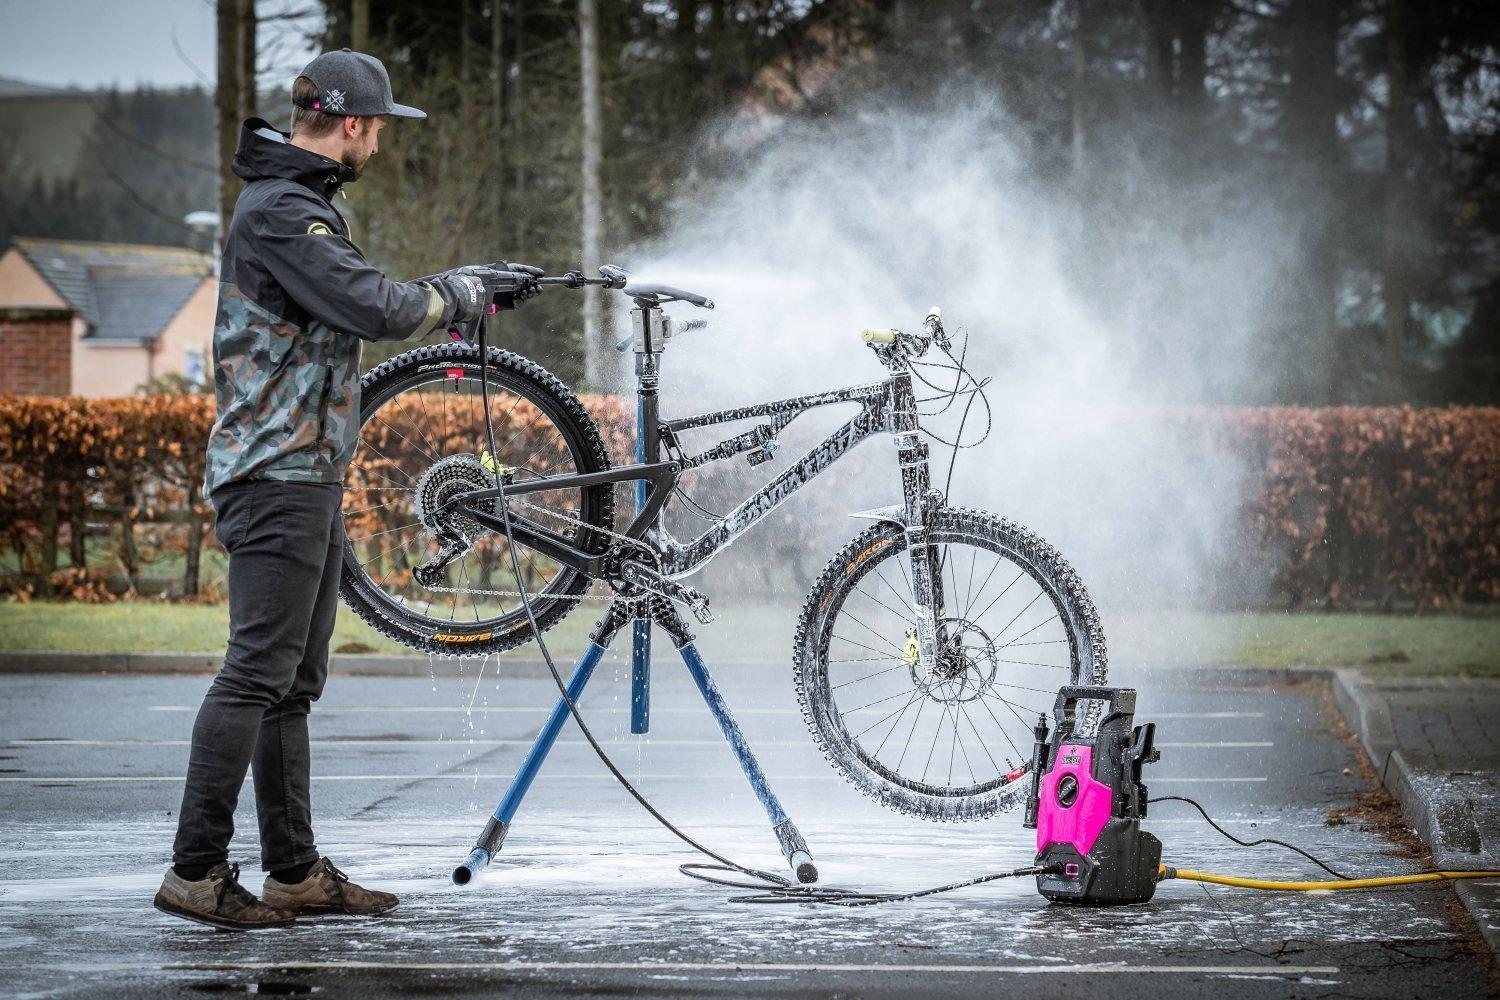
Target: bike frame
[{"x": 886, "y": 406}]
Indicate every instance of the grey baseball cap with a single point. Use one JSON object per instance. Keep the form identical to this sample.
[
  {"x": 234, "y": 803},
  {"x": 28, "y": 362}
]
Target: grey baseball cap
[{"x": 352, "y": 83}]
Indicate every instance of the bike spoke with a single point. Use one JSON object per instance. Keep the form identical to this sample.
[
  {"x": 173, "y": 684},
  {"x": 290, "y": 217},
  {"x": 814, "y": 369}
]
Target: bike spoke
[
  {"x": 895, "y": 711},
  {"x": 872, "y": 704},
  {"x": 867, "y": 676},
  {"x": 893, "y": 648},
  {"x": 916, "y": 694}
]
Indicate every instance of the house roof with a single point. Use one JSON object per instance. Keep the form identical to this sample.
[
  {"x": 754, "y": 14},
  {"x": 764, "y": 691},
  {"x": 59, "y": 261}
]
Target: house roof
[{"x": 123, "y": 291}]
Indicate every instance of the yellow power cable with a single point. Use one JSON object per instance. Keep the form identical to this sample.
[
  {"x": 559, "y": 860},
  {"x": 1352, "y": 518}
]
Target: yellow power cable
[{"x": 1166, "y": 872}]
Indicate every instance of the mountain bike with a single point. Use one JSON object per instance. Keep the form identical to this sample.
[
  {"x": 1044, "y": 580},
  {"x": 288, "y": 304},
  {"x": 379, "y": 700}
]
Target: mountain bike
[{"x": 926, "y": 649}]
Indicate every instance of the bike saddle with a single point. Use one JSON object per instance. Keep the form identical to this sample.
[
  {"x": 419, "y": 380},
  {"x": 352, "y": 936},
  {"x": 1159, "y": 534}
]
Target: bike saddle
[{"x": 656, "y": 292}]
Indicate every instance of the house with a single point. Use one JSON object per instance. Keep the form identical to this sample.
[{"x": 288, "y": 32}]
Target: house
[{"x": 102, "y": 319}]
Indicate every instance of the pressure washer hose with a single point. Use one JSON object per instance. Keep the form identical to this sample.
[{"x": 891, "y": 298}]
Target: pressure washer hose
[{"x": 1167, "y": 872}]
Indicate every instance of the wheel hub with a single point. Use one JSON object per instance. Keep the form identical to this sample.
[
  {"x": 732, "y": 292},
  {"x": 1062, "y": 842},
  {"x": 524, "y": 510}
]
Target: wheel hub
[{"x": 966, "y": 665}]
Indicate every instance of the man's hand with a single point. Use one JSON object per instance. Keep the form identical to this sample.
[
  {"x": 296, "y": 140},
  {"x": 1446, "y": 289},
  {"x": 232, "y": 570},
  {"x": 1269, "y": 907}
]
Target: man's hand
[
  {"x": 526, "y": 287},
  {"x": 470, "y": 289}
]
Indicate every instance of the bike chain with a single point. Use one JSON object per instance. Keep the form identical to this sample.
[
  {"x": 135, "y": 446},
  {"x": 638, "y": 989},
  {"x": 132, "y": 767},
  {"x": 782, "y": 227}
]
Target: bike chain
[{"x": 634, "y": 542}]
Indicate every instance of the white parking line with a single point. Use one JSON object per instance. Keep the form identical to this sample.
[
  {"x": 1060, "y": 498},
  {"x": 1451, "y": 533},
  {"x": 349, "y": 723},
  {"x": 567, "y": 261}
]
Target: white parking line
[
  {"x": 655, "y": 710},
  {"x": 719, "y": 968},
  {"x": 462, "y": 741},
  {"x": 470, "y": 776}
]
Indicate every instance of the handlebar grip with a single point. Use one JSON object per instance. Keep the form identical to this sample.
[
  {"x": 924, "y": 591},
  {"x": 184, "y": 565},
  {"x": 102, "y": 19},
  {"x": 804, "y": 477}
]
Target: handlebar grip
[{"x": 878, "y": 336}]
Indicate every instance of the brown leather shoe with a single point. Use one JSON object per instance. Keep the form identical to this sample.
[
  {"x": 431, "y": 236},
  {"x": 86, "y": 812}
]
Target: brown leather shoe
[
  {"x": 218, "y": 900},
  {"x": 327, "y": 890}
]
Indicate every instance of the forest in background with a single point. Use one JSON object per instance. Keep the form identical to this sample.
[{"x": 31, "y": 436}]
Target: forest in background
[{"x": 1368, "y": 130}]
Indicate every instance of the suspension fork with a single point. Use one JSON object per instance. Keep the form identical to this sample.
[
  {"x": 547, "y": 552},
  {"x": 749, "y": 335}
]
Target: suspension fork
[{"x": 922, "y": 503}]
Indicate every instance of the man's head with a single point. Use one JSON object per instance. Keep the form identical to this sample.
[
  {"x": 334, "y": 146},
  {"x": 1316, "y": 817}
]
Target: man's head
[
  {"x": 339, "y": 105},
  {"x": 350, "y": 139}
]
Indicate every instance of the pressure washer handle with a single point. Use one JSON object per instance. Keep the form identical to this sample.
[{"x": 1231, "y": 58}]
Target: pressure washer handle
[{"x": 1038, "y": 763}]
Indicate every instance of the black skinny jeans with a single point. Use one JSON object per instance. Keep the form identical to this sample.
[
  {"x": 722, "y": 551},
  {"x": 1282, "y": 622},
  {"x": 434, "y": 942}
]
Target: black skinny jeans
[{"x": 285, "y": 542}]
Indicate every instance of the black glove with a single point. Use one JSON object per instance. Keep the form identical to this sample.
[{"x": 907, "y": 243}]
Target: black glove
[
  {"x": 526, "y": 288},
  {"x": 470, "y": 290}
]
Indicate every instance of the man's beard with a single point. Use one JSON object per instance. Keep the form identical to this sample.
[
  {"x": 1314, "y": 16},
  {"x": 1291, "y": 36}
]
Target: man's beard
[{"x": 355, "y": 160}]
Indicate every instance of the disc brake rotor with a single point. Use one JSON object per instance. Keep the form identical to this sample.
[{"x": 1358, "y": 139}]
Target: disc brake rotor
[{"x": 966, "y": 666}]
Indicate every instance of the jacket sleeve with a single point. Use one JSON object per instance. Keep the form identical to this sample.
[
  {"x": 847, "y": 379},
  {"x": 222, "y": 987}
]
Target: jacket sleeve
[{"x": 301, "y": 244}]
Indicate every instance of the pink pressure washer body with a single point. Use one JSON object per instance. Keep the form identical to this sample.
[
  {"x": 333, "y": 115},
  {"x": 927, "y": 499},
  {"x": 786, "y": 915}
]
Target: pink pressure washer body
[{"x": 1087, "y": 802}]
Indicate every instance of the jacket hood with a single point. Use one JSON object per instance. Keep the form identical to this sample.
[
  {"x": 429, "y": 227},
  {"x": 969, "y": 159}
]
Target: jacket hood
[{"x": 267, "y": 152}]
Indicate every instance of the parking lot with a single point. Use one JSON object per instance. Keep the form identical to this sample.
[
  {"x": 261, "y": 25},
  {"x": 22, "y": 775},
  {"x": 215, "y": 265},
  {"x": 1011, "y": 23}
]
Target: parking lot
[{"x": 586, "y": 896}]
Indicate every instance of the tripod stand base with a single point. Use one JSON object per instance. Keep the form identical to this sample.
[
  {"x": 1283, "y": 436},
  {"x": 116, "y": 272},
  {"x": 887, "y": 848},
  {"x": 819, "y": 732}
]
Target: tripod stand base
[
  {"x": 488, "y": 845},
  {"x": 661, "y": 612}
]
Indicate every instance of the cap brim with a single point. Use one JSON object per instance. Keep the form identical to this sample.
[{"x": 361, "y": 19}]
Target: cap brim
[{"x": 405, "y": 111}]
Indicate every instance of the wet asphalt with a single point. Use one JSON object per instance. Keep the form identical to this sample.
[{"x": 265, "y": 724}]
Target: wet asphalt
[{"x": 586, "y": 899}]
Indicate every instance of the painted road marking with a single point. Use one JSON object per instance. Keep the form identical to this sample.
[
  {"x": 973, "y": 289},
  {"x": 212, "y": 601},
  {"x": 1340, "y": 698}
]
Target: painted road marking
[
  {"x": 461, "y": 741},
  {"x": 725, "y": 968},
  {"x": 467, "y": 775},
  {"x": 478, "y": 709}
]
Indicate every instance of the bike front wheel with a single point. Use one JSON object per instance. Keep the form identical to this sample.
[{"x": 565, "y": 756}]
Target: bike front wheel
[{"x": 952, "y": 740}]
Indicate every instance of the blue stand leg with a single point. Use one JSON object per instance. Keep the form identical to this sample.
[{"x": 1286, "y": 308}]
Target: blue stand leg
[
  {"x": 640, "y": 677},
  {"x": 793, "y": 847},
  {"x": 494, "y": 831},
  {"x": 640, "y": 633}
]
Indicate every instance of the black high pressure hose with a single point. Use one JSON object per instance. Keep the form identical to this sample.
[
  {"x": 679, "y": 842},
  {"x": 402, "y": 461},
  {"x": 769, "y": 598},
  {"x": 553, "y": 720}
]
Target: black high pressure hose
[
  {"x": 774, "y": 888},
  {"x": 770, "y": 879}
]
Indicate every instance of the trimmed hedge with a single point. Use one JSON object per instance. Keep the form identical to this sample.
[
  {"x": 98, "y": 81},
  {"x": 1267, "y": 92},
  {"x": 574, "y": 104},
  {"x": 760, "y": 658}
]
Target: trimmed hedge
[
  {"x": 1373, "y": 505},
  {"x": 1349, "y": 506}
]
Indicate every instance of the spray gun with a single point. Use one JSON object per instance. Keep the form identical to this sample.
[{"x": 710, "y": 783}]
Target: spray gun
[{"x": 1087, "y": 801}]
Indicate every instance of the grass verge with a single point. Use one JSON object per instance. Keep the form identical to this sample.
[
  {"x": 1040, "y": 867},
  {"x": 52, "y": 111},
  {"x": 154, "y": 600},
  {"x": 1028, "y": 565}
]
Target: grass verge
[{"x": 1388, "y": 644}]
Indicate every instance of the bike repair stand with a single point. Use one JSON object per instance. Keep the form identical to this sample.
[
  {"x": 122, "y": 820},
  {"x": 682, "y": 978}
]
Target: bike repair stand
[{"x": 641, "y": 612}]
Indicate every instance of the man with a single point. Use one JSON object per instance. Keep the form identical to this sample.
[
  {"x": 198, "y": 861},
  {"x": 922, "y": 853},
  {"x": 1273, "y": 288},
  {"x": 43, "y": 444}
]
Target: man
[{"x": 296, "y": 297}]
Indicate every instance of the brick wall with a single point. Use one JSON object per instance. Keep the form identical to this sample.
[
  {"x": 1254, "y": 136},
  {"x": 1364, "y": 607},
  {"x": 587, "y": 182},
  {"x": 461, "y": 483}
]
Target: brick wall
[{"x": 36, "y": 351}]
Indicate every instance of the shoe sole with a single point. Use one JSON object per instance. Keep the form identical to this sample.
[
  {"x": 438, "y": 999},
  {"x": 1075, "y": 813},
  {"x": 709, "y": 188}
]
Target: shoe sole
[
  {"x": 217, "y": 922},
  {"x": 325, "y": 911}
]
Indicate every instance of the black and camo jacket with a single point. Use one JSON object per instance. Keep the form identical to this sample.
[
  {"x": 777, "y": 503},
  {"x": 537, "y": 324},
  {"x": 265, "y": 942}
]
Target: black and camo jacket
[{"x": 296, "y": 298}]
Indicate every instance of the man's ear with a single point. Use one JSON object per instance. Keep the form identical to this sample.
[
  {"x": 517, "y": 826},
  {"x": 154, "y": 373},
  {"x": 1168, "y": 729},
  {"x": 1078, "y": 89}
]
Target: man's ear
[{"x": 352, "y": 126}]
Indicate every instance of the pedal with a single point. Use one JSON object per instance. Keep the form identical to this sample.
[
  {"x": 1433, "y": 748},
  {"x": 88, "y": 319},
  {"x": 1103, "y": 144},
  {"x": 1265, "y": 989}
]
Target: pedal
[
  {"x": 698, "y": 603},
  {"x": 649, "y": 579}
]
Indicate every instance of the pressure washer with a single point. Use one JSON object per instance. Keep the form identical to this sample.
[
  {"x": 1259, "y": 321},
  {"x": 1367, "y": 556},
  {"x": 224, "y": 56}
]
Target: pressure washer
[{"x": 1087, "y": 801}]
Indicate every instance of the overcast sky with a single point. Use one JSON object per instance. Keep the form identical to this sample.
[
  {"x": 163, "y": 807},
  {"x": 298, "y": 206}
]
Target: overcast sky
[{"x": 96, "y": 43}]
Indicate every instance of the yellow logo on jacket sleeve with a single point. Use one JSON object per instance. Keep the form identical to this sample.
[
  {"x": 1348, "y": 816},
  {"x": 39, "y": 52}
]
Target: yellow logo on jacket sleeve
[{"x": 319, "y": 229}]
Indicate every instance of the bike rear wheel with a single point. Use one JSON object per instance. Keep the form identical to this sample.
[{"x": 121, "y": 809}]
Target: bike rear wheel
[
  {"x": 422, "y": 441},
  {"x": 953, "y": 741}
]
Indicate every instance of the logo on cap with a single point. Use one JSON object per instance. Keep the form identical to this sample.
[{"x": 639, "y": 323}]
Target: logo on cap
[{"x": 335, "y": 101}]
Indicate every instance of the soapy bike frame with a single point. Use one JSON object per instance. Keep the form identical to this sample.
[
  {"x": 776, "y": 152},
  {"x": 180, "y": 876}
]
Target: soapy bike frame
[{"x": 887, "y": 406}]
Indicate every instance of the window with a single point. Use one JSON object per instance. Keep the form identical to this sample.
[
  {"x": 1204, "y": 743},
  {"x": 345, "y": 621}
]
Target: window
[{"x": 194, "y": 365}]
